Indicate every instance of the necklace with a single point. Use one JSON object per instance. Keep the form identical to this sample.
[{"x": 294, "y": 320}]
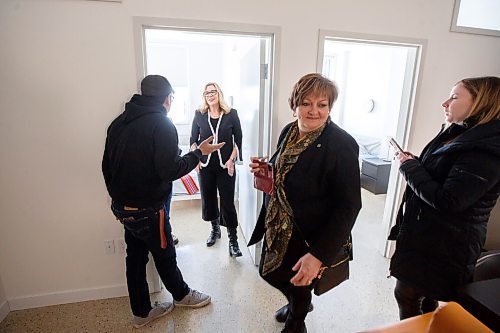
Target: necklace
[{"x": 215, "y": 133}]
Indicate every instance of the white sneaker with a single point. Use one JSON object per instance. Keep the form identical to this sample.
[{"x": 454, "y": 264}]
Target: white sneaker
[
  {"x": 194, "y": 299},
  {"x": 158, "y": 310}
]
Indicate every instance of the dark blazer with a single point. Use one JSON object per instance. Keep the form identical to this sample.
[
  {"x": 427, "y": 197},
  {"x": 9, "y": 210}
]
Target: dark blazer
[
  {"x": 323, "y": 189},
  {"x": 452, "y": 188},
  {"x": 229, "y": 130}
]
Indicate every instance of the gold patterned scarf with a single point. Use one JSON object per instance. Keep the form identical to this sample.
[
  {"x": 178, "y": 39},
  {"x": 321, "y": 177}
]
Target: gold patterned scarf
[{"x": 279, "y": 215}]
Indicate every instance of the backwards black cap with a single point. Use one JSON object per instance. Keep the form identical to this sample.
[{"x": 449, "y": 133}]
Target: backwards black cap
[{"x": 155, "y": 85}]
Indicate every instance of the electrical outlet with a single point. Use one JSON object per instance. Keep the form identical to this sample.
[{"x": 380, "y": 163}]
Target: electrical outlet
[
  {"x": 121, "y": 246},
  {"x": 109, "y": 246}
]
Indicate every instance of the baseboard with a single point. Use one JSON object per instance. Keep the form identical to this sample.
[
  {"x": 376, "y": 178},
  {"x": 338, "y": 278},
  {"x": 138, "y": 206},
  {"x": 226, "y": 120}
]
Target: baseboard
[
  {"x": 64, "y": 297},
  {"x": 4, "y": 310}
]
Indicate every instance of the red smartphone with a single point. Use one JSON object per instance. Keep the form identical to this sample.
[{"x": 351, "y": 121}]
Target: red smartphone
[
  {"x": 264, "y": 179},
  {"x": 264, "y": 166}
]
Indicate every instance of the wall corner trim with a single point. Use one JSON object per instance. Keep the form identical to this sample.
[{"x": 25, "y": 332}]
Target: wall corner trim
[{"x": 4, "y": 310}]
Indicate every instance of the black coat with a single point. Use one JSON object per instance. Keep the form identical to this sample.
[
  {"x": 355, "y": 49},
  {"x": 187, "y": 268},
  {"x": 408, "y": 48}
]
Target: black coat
[
  {"x": 229, "y": 131},
  {"x": 323, "y": 189},
  {"x": 141, "y": 156},
  {"x": 451, "y": 190}
]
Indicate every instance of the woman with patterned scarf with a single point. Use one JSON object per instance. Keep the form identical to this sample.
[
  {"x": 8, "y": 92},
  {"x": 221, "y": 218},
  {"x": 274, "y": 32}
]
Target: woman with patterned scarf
[{"x": 315, "y": 202}]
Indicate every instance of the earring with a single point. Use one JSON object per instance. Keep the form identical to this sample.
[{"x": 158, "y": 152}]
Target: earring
[{"x": 294, "y": 114}]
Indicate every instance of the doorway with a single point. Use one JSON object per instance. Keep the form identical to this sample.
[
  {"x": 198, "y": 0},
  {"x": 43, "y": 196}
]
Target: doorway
[
  {"x": 240, "y": 60},
  {"x": 377, "y": 78}
]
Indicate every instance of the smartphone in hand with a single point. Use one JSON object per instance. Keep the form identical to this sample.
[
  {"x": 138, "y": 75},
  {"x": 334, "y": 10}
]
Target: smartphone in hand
[
  {"x": 264, "y": 178},
  {"x": 265, "y": 168},
  {"x": 396, "y": 146}
]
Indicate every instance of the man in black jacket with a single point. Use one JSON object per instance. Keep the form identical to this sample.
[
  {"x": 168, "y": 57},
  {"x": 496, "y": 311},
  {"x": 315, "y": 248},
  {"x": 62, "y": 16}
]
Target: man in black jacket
[{"x": 141, "y": 159}]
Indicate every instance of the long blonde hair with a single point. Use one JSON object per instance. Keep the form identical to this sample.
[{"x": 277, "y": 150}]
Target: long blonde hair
[
  {"x": 222, "y": 104},
  {"x": 485, "y": 93}
]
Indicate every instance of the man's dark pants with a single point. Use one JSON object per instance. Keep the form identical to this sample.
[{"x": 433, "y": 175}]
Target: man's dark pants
[{"x": 142, "y": 235}]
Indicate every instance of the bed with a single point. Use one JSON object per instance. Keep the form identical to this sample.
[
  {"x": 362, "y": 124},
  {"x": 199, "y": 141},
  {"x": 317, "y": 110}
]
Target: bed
[
  {"x": 187, "y": 187},
  {"x": 369, "y": 147}
]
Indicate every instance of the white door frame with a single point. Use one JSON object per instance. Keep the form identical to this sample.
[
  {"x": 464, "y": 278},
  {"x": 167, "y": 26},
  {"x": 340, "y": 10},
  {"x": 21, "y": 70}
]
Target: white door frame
[
  {"x": 141, "y": 23},
  {"x": 408, "y": 104}
]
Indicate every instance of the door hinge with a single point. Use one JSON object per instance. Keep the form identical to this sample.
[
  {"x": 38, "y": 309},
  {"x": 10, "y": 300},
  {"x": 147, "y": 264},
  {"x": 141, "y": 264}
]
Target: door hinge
[{"x": 264, "y": 70}]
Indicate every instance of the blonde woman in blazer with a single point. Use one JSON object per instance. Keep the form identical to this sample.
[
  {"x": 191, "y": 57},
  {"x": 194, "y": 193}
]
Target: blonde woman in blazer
[{"x": 216, "y": 171}]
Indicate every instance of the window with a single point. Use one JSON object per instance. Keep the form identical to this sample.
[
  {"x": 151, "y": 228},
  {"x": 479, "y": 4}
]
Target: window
[
  {"x": 168, "y": 57},
  {"x": 178, "y": 110},
  {"x": 476, "y": 17}
]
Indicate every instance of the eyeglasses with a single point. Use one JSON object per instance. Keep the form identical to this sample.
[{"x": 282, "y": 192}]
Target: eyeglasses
[
  {"x": 210, "y": 93},
  {"x": 172, "y": 97}
]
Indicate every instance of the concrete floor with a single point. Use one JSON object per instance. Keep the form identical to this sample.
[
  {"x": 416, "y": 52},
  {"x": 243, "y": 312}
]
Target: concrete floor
[{"x": 241, "y": 300}]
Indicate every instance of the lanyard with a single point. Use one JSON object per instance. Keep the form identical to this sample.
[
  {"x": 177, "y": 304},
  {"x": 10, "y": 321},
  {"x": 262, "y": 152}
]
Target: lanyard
[{"x": 216, "y": 139}]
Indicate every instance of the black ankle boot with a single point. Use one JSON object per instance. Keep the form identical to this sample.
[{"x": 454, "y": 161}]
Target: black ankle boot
[
  {"x": 282, "y": 313},
  {"x": 294, "y": 326},
  {"x": 234, "y": 249},
  {"x": 214, "y": 234}
]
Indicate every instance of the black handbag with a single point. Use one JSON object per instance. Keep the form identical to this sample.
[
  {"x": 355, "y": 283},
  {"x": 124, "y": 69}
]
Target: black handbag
[{"x": 333, "y": 275}]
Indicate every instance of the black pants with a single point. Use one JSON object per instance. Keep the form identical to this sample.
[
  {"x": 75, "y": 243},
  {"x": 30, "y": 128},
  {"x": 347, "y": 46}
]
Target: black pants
[
  {"x": 213, "y": 178},
  {"x": 412, "y": 301},
  {"x": 299, "y": 298},
  {"x": 142, "y": 235}
]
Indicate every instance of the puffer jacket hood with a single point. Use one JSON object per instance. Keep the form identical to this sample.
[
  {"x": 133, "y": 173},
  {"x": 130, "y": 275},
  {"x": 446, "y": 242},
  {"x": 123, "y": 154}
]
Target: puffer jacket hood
[{"x": 484, "y": 137}]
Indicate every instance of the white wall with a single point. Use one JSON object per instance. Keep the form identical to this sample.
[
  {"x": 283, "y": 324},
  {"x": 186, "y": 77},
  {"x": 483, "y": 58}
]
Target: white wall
[{"x": 66, "y": 69}]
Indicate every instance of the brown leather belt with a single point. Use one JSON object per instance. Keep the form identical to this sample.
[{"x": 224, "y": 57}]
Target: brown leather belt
[{"x": 163, "y": 238}]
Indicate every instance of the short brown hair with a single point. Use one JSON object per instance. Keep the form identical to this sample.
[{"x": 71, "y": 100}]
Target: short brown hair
[
  {"x": 316, "y": 84},
  {"x": 485, "y": 93}
]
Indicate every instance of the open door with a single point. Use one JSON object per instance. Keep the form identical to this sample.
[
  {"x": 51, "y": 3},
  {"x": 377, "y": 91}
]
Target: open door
[
  {"x": 377, "y": 77},
  {"x": 254, "y": 117}
]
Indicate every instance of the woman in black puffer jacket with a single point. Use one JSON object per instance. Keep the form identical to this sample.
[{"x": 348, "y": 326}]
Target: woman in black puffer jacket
[{"x": 451, "y": 189}]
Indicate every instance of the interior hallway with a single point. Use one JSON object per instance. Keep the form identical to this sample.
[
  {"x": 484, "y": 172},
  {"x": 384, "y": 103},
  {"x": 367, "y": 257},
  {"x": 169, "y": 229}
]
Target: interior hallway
[{"x": 241, "y": 300}]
